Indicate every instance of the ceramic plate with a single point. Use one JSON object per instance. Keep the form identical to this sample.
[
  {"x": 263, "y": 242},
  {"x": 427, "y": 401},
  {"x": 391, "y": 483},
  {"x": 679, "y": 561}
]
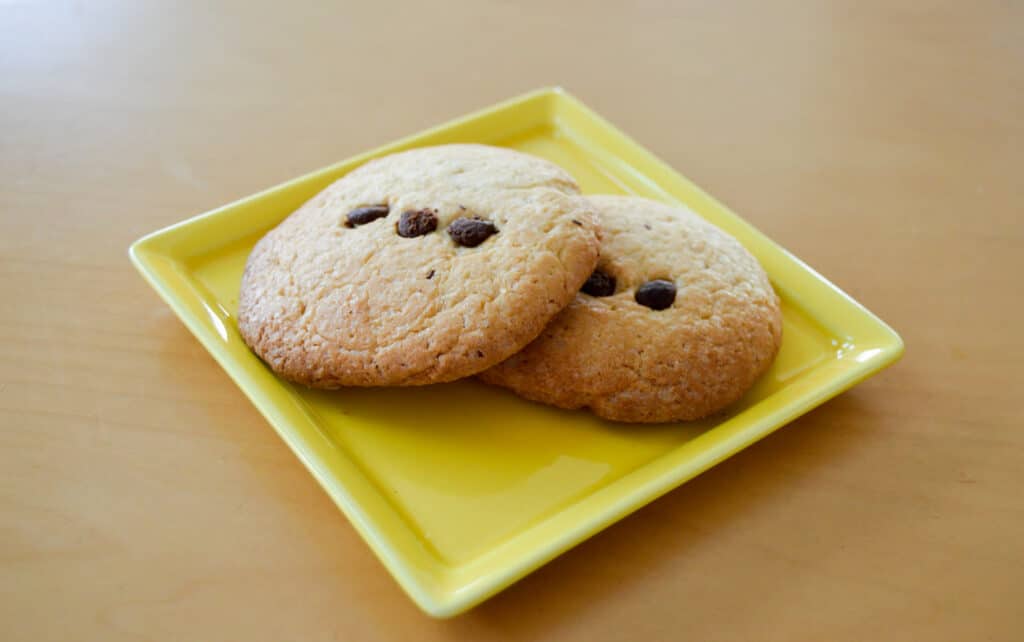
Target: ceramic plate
[{"x": 460, "y": 489}]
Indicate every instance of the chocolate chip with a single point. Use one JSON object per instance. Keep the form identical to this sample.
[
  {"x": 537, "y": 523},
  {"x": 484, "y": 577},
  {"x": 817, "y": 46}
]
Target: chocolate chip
[
  {"x": 364, "y": 215},
  {"x": 416, "y": 223},
  {"x": 647, "y": 226},
  {"x": 575, "y": 222},
  {"x": 430, "y": 275},
  {"x": 470, "y": 232},
  {"x": 479, "y": 353},
  {"x": 599, "y": 284},
  {"x": 656, "y": 295}
]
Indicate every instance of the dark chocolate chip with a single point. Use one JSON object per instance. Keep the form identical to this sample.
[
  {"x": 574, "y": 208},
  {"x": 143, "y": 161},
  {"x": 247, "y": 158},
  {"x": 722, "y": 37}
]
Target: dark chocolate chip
[
  {"x": 479, "y": 353},
  {"x": 414, "y": 223},
  {"x": 656, "y": 295},
  {"x": 364, "y": 215},
  {"x": 430, "y": 275},
  {"x": 599, "y": 284},
  {"x": 470, "y": 232},
  {"x": 575, "y": 222}
]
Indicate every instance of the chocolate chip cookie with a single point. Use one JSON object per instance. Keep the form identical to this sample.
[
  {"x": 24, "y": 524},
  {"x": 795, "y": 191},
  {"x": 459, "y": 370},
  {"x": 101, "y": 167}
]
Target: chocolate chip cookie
[
  {"x": 676, "y": 323},
  {"x": 420, "y": 267}
]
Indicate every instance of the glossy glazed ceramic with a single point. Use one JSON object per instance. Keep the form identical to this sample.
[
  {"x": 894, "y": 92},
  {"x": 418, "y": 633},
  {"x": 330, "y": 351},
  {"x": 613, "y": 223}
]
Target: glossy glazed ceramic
[{"x": 461, "y": 489}]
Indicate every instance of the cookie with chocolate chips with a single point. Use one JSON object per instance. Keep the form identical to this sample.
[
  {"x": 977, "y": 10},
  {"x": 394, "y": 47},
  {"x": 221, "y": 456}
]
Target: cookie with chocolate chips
[
  {"x": 676, "y": 322},
  {"x": 420, "y": 267}
]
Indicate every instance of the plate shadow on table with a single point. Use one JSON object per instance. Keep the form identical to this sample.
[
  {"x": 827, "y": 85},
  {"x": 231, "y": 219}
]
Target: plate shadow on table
[{"x": 590, "y": 576}]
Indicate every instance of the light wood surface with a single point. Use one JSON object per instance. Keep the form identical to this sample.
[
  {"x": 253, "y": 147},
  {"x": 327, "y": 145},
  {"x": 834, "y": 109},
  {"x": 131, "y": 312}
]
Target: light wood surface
[{"x": 143, "y": 498}]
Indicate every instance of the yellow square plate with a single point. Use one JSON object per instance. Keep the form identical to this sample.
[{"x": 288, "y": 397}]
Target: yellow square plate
[{"x": 461, "y": 489}]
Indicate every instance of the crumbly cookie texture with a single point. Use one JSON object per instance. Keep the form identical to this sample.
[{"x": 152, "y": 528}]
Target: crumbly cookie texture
[
  {"x": 424, "y": 266},
  {"x": 680, "y": 320}
]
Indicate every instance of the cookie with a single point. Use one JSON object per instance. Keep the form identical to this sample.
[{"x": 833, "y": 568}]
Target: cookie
[
  {"x": 676, "y": 323},
  {"x": 420, "y": 267}
]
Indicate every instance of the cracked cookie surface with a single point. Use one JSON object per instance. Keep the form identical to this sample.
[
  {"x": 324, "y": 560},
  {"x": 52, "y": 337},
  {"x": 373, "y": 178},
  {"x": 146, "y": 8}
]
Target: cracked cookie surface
[
  {"x": 676, "y": 323},
  {"x": 367, "y": 284}
]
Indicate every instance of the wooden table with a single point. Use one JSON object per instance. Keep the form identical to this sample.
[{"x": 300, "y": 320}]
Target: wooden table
[{"x": 143, "y": 498}]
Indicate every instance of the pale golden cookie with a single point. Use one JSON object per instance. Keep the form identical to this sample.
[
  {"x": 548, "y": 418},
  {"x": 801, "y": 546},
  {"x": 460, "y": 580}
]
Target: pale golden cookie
[
  {"x": 420, "y": 267},
  {"x": 679, "y": 323}
]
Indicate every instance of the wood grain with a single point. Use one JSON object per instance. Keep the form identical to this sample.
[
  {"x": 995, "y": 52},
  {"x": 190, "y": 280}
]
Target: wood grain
[{"x": 143, "y": 498}]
